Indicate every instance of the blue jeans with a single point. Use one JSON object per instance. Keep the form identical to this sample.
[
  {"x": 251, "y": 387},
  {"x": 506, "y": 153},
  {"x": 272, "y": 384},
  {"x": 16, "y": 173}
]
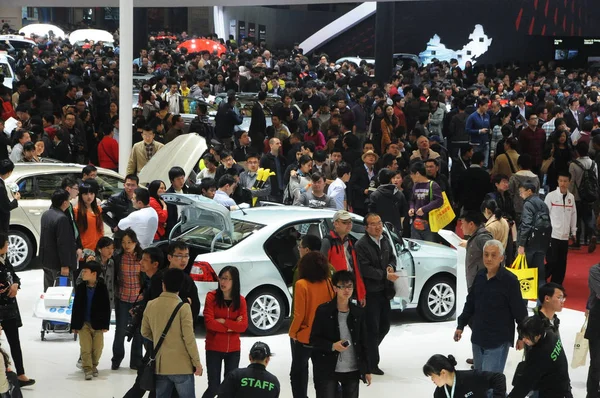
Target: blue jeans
[
  {"x": 485, "y": 149},
  {"x": 123, "y": 317},
  {"x": 490, "y": 359},
  {"x": 184, "y": 384}
]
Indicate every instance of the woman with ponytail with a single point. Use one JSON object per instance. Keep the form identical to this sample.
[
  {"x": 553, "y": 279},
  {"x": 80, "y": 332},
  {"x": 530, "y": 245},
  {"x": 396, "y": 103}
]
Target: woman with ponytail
[
  {"x": 462, "y": 383},
  {"x": 495, "y": 224}
]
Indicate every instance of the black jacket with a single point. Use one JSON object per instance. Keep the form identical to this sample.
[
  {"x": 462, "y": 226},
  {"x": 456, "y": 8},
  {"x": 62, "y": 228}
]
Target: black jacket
[
  {"x": 9, "y": 308},
  {"x": 359, "y": 181},
  {"x": 172, "y": 215},
  {"x": 258, "y": 127},
  {"x": 473, "y": 185},
  {"x": 533, "y": 208},
  {"x": 5, "y": 206},
  {"x": 58, "y": 247},
  {"x": 188, "y": 291},
  {"x": 326, "y": 331},
  {"x": 268, "y": 162},
  {"x": 100, "y": 313},
  {"x": 546, "y": 370},
  {"x": 373, "y": 262},
  {"x": 390, "y": 204},
  {"x": 504, "y": 202},
  {"x": 119, "y": 206},
  {"x": 475, "y": 384},
  {"x": 226, "y": 120},
  {"x": 251, "y": 382}
]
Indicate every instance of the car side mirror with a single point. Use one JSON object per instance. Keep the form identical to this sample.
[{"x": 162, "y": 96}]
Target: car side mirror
[{"x": 414, "y": 246}]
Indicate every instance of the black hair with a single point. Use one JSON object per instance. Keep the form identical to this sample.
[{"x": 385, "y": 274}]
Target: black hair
[
  {"x": 132, "y": 177},
  {"x": 563, "y": 173},
  {"x": 497, "y": 179},
  {"x": 176, "y": 172},
  {"x": 316, "y": 177},
  {"x": 418, "y": 167},
  {"x": 311, "y": 242},
  {"x": 532, "y": 327},
  {"x": 546, "y": 289},
  {"x": 177, "y": 245},
  {"x": 153, "y": 188},
  {"x": 385, "y": 176},
  {"x": 235, "y": 288},
  {"x": 81, "y": 211},
  {"x": 207, "y": 183},
  {"x": 387, "y": 160},
  {"x": 310, "y": 145},
  {"x": 59, "y": 197},
  {"x": 343, "y": 168},
  {"x": 313, "y": 267},
  {"x": 156, "y": 255},
  {"x": 173, "y": 279},
  {"x": 472, "y": 216},
  {"x": 525, "y": 161},
  {"x": 226, "y": 180},
  {"x": 142, "y": 195},
  {"x": 225, "y": 154},
  {"x": 319, "y": 156},
  {"x": 477, "y": 158},
  {"x": 89, "y": 169},
  {"x": 492, "y": 206},
  {"x": 103, "y": 242},
  {"x": 437, "y": 363},
  {"x": 67, "y": 182},
  {"x": 130, "y": 233},
  {"x": 342, "y": 276},
  {"x": 304, "y": 159},
  {"x": 4, "y": 239},
  {"x": 582, "y": 148},
  {"x": 6, "y": 166}
]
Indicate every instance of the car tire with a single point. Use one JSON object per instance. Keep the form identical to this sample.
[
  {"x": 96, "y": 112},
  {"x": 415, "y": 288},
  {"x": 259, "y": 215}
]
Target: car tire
[
  {"x": 266, "y": 311},
  {"x": 20, "y": 249},
  {"x": 438, "y": 299}
]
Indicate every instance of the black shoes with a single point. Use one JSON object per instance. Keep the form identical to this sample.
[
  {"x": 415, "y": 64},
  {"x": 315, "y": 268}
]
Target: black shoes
[
  {"x": 115, "y": 366},
  {"x": 27, "y": 383},
  {"x": 592, "y": 246},
  {"x": 377, "y": 371}
]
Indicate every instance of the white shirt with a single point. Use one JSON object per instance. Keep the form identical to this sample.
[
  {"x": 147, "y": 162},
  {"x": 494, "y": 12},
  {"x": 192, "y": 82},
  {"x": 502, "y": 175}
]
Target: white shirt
[
  {"x": 563, "y": 214},
  {"x": 222, "y": 198},
  {"x": 337, "y": 192},
  {"x": 144, "y": 223}
]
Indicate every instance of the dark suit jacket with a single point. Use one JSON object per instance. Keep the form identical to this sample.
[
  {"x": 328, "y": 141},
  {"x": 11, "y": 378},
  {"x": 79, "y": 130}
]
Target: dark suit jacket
[
  {"x": 58, "y": 247},
  {"x": 258, "y": 126},
  {"x": 515, "y": 114},
  {"x": 359, "y": 181},
  {"x": 172, "y": 213},
  {"x": 5, "y": 206},
  {"x": 473, "y": 185},
  {"x": 573, "y": 123},
  {"x": 100, "y": 313}
]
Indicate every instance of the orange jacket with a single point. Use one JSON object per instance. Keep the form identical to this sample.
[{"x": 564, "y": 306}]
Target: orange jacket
[
  {"x": 307, "y": 297},
  {"x": 337, "y": 258}
]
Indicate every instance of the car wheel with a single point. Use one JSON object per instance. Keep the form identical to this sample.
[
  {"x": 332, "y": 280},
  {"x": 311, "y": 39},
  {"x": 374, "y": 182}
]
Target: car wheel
[
  {"x": 266, "y": 312},
  {"x": 438, "y": 299},
  {"x": 20, "y": 249}
]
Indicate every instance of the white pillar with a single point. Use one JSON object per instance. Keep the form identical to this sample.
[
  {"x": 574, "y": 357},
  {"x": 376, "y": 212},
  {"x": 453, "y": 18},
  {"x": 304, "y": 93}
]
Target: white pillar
[{"x": 125, "y": 82}]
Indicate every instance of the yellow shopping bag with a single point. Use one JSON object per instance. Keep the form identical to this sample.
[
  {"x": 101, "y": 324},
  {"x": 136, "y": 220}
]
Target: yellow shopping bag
[
  {"x": 528, "y": 277},
  {"x": 442, "y": 216}
]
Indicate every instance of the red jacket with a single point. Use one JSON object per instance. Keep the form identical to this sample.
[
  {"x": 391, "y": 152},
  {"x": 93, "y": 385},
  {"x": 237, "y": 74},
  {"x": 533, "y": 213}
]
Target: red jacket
[
  {"x": 337, "y": 258},
  {"x": 217, "y": 337},
  {"x": 163, "y": 215},
  {"x": 108, "y": 153}
]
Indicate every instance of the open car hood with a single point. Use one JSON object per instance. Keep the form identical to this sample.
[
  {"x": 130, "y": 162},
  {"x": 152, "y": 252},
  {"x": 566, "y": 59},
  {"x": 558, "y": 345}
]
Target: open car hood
[
  {"x": 183, "y": 151},
  {"x": 196, "y": 210}
]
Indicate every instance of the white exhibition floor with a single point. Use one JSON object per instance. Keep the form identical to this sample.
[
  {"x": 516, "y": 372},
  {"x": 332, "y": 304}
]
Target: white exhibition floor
[{"x": 404, "y": 351}]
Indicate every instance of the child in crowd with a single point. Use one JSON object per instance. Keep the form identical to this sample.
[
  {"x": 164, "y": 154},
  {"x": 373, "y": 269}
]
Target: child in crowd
[{"x": 91, "y": 316}]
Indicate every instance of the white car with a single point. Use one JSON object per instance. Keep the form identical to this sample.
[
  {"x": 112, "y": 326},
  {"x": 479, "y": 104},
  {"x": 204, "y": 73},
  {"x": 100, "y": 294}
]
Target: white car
[
  {"x": 42, "y": 29},
  {"x": 6, "y": 69},
  {"x": 17, "y": 42},
  {"x": 262, "y": 243},
  {"x": 78, "y": 37}
]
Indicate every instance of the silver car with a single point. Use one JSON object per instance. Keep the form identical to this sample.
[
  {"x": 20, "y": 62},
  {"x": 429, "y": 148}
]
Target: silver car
[
  {"x": 37, "y": 182},
  {"x": 262, "y": 243}
]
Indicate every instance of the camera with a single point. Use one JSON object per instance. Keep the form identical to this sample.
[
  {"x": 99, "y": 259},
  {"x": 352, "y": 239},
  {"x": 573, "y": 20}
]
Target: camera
[{"x": 135, "y": 322}]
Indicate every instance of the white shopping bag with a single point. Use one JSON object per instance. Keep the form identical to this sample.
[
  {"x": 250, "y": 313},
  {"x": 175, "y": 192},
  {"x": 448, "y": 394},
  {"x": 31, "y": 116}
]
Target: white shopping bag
[
  {"x": 580, "y": 350},
  {"x": 402, "y": 284}
]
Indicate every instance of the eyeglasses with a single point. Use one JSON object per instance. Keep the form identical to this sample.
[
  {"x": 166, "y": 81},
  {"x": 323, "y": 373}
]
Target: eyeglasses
[
  {"x": 181, "y": 256},
  {"x": 562, "y": 299},
  {"x": 347, "y": 287},
  {"x": 225, "y": 279}
]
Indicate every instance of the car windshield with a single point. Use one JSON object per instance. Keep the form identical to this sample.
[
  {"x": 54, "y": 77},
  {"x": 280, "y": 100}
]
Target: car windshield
[
  {"x": 5, "y": 70},
  {"x": 204, "y": 235}
]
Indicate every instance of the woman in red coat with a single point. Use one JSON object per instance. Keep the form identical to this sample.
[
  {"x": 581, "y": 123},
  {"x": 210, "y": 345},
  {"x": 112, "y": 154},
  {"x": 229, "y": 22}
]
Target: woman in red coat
[
  {"x": 225, "y": 318},
  {"x": 155, "y": 189}
]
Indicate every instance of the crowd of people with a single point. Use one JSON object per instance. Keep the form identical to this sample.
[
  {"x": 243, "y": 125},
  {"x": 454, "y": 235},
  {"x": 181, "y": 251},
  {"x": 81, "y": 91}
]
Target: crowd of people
[{"x": 513, "y": 150}]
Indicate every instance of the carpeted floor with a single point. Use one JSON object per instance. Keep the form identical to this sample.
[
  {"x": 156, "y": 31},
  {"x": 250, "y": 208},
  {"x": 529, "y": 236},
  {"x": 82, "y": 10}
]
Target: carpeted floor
[{"x": 578, "y": 264}]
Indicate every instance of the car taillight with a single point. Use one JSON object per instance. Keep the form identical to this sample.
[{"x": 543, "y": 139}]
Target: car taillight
[{"x": 203, "y": 272}]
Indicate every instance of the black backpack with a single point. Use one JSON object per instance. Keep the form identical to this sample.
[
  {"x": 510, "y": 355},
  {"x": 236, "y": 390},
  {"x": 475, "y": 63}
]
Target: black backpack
[
  {"x": 588, "y": 188},
  {"x": 542, "y": 231}
]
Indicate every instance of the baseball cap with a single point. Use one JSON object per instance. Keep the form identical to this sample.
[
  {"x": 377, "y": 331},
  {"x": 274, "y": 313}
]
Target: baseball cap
[
  {"x": 342, "y": 215},
  {"x": 260, "y": 351}
]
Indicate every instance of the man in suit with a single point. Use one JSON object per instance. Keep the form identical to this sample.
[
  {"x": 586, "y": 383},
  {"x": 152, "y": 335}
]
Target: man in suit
[
  {"x": 142, "y": 152},
  {"x": 258, "y": 123},
  {"x": 6, "y": 205},
  {"x": 58, "y": 247},
  {"x": 360, "y": 180},
  {"x": 175, "y": 367},
  {"x": 520, "y": 112},
  {"x": 178, "y": 185},
  {"x": 276, "y": 163},
  {"x": 474, "y": 184},
  {"x": 573, "y": 117}
]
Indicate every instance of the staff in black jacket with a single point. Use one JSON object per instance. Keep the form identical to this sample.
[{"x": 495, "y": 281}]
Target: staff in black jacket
[
  {"x": 462, "y": 383},
  {"x": 258, "y": 123},
  {"x": 6, "y": 205},
  {"x": 545, "y": 369},
  {"x": 9, "y": 310},
  {"x": 339, "y": 340}
]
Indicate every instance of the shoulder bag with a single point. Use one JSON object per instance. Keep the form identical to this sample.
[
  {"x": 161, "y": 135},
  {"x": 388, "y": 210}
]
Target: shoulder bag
[{"x": 149, "y": 372}]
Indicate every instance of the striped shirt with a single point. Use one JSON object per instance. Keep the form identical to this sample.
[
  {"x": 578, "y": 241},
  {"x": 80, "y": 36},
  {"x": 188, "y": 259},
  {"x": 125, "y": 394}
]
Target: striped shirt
[{"x": 129, "y": 277}]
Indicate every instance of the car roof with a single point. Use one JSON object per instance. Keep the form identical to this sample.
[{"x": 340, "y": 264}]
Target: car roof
[
  {"x": 23, "y": 169},
  {"x": 283, "y": 214}
]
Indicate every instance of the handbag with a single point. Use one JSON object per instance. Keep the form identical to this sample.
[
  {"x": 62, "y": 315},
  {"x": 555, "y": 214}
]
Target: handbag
[
  {"x": 14, "y": 388},
  {"x": 528, "y": 277},
  {"x": 442, "y": 216},
  {"x": 519, "y": 371},
  {"x": 581, "y": 348},
  {"x": 149, "y": 371},
  {"x": 546, "y": 165}
]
